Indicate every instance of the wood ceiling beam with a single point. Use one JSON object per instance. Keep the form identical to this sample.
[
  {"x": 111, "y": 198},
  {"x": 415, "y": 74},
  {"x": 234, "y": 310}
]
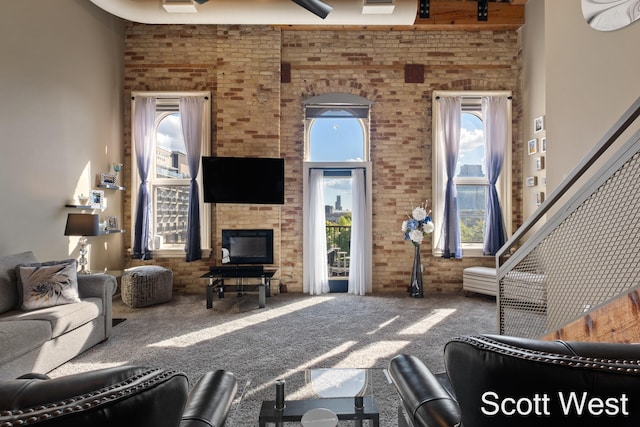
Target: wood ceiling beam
[
  {"x": 446, "y": 15},
  {"x": 463, "y": 15}
]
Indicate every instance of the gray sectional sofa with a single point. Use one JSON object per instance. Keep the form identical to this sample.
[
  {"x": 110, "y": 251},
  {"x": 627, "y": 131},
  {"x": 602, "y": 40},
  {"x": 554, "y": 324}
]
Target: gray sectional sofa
[{"x": 42, "y": 339}]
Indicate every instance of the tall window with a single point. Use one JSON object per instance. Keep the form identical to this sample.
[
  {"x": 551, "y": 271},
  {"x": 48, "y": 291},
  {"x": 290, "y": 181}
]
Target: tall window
[
  {"x": 471, "y": 177},
  {"x": 337, "y": 230},
  {"x": 169, "y": 177},
  {"x": 169, "y": 184}
]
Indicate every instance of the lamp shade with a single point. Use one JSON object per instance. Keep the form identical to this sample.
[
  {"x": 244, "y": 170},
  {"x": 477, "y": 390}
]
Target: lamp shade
[{"x": 82, "y": 225}]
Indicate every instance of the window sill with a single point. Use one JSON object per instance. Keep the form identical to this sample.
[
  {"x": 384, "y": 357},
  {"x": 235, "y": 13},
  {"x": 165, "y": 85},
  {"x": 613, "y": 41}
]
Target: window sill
[
  {"x": 176, "y": 253},
  {"x": 468, "y": 251}
]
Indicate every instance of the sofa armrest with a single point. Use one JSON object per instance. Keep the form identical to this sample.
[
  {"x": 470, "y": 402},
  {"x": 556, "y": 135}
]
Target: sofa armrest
[
  {"x": 424, "y": 398},
  {"x": 210, "y": 400},
  {"x": 101, "y": 286},
  {"x": 97, "y": 286}
]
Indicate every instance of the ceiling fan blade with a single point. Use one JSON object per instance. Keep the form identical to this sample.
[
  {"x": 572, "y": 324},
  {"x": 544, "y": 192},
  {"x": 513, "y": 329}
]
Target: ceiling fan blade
[{"x": 317, "y": 7}]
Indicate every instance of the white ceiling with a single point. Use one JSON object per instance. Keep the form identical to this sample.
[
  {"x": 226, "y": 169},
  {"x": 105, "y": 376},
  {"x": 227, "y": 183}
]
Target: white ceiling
[{"x": 259, "y": 12}]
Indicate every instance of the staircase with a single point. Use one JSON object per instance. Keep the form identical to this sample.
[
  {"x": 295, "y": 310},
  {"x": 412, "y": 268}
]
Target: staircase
[{"x": 581, "y": 248}]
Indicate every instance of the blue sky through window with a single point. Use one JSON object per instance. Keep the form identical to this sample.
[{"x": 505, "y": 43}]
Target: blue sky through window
[
  {"x": 471, "y": 142},
  {"x": 337, "y": 140},
  {"x": 169, "y": 134}
]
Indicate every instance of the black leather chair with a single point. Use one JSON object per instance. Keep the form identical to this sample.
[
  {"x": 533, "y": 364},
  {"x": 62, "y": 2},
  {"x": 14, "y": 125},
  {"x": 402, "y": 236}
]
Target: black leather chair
[
  {"x": 498, "y": 381},
  {"x": 121, "y": 396}
]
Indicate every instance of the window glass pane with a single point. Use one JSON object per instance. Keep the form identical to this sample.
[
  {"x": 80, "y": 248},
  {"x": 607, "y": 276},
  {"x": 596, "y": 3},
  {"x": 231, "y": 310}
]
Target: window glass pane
[
  {"x": 170, "y": 209},
  {"x": 337, "y": 208},
  {"x": 471, "y": 207},
  {"x": 471, "y": 154},
  {"x": 336, "y": 140},
  {"x": 171, "y": 157}
]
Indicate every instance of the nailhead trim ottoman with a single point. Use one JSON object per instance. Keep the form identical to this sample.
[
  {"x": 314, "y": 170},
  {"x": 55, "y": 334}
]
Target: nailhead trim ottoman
[{"x": 146, "y": 285}]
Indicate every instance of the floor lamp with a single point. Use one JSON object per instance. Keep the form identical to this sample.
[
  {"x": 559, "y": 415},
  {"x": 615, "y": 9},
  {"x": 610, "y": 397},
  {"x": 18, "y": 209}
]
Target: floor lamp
[{"x": 82, "y": 225}]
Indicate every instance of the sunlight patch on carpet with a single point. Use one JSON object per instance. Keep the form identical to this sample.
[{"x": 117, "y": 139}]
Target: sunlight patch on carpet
[
  {"x": 383, "y": 325},
  {"x": 205, "y": 334},
  {"x": 369, "y": 356},
  {"x": 86, "y": 367},
  {"x": 316, "y": 361},
  {"x": 422, "y": 326}
]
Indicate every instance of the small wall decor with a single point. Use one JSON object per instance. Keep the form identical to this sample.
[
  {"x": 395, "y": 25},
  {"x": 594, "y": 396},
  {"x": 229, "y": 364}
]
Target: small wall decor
[
  {"x": 543, "y": 144},
  {"x": 532, "y": 146},
  {"x": 108, "y": 179},
  {"x": 538, "y": 124},
  {"x": 111, "y": 223},
  {"x": 540, "y": 163},
  {"x": 96, "y": 199},
  {"x": 539, "y": 198},
  {"x": 610, "y": 15},
  {"x": 532, "y": 181},
  {"x": 83, "y": 200}
]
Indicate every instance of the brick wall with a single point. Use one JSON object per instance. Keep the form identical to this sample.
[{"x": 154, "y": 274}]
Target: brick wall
[{"x": 254, "y": 114}]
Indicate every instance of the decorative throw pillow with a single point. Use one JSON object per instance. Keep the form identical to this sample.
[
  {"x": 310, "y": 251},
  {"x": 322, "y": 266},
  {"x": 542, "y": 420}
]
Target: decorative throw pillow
[{"x": 48, "y": 284}]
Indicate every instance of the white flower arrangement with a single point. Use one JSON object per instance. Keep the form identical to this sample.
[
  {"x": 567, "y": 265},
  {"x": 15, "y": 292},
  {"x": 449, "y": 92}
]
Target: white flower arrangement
[{"x": 418, "y": 225}]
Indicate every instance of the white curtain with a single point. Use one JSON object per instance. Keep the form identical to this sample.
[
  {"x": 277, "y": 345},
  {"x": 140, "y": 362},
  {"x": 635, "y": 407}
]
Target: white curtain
[
  {"x": 450, "y": 239},
  {"x": 316, "y": 271},
  {"x": 144, "y": 119},
  {"x": 494, "y": 111},
  {"x": 191, "y": 114},
  {"x": 359, "y": 280}
]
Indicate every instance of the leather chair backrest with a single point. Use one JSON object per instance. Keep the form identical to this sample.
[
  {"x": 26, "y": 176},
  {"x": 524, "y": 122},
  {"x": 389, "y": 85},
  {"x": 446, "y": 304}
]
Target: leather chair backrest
[
  {"x": 122, "y": 396},
  {"x": 507, "y": 381}
]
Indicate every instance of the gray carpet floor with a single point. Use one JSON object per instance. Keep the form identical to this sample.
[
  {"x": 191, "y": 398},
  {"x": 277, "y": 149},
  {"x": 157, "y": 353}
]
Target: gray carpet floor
[{"x": 292, "y": 334}]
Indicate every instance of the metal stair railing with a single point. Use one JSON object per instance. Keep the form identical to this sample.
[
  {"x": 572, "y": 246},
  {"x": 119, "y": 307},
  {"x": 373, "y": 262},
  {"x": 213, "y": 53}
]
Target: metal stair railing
[{"x": 586, "y": 252}]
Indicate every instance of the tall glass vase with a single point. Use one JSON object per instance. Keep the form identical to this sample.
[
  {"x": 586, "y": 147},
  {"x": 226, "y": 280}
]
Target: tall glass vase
[{"x": 416, "y": 290}]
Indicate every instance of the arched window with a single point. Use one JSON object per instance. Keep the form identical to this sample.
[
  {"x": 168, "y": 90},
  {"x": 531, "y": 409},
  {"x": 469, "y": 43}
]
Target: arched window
[
  {"x": 471, "y": 177},
  {"x": 169, "y": 177},
  {"x": 337, "y": 128},
  {"x": 338, "y": 218}
]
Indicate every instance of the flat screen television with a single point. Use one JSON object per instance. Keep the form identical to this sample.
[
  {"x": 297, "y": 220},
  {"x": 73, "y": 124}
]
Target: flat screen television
[
  {"x": 258, "y": 180},
  {"x": 248, "y": 246}
]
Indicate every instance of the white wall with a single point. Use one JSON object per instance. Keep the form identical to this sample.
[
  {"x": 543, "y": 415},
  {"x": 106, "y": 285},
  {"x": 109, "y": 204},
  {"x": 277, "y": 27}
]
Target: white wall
[
  {"x": 533, "y": 96},
  {"x": 60, "y": 122},
  {"x": 591, "y": 79}
]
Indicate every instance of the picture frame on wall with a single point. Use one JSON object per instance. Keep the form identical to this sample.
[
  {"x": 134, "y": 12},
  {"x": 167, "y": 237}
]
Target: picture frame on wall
[
  {"x": 532, "y": 146},
  {"x": 111, "y": 223},
  {"x": 532, "y": 181},
  {"x": 543, "y": 144},
  {"x": 96, "y": 199},
  {"x": 538, "y": 124},
  {"x": 108, "y": 179},
  {"x": 540, "y": 163},
  {"x": 539, "y": 197}
]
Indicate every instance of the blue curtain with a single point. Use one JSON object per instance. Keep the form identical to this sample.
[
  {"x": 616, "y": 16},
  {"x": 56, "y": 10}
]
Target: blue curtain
[
  {"x": 144, "y": 118},
  {"x": 494, "y": 113},
  {"x": 191, "y": 112},
  {"x": 450, "y": 116}
]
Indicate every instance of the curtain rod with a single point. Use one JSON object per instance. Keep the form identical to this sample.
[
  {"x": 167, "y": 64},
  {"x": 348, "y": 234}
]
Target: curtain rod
[
  {"x": 169, "y": 99},
  {"x": 474, "y": 97},
  {"x": 341, "y": 168}
]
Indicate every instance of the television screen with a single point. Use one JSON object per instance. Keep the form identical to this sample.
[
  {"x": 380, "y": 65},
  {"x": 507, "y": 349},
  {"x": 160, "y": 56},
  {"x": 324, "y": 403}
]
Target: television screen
[
  {"x": 257, "y": 180},
  {"x": 249, "y": 246}
]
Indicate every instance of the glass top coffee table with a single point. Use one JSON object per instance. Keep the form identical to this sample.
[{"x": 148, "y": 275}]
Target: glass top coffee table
[{"x": 345, "y": 392}]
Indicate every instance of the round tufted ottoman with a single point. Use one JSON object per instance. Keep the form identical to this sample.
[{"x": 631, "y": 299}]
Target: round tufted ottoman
[{"x": 146, "y": 285}]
